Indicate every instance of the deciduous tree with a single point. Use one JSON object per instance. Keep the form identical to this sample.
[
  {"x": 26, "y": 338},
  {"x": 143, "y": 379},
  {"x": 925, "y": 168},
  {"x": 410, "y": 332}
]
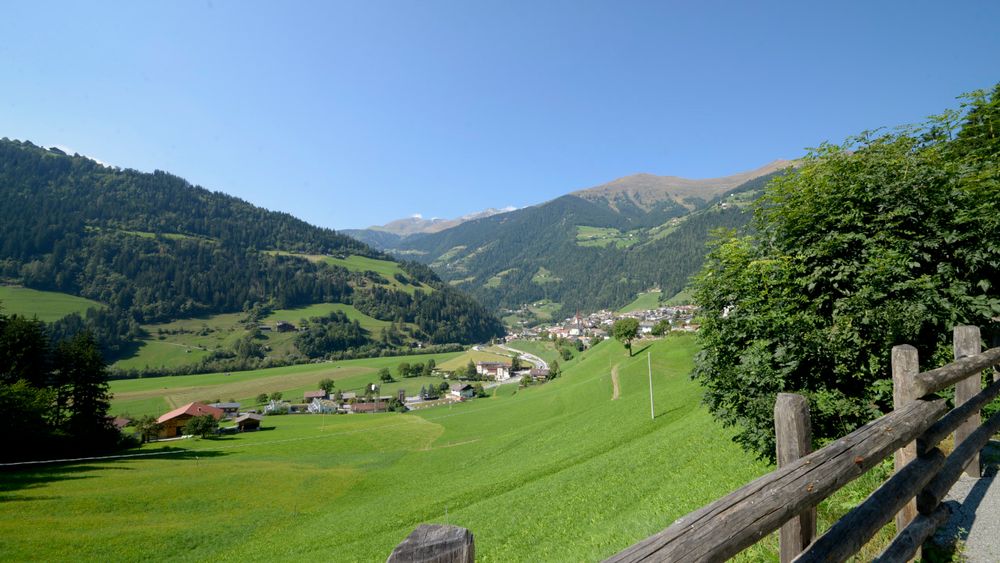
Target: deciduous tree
[{"x": 625, "y": 330}]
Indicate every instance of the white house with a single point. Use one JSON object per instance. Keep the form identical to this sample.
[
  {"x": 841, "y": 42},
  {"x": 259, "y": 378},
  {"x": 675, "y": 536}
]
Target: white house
[{"x": 497, "y": 371}]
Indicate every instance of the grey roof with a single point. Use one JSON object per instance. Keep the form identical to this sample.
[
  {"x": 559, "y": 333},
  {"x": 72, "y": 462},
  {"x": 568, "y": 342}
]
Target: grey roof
[{"x": 225, "y": 405}]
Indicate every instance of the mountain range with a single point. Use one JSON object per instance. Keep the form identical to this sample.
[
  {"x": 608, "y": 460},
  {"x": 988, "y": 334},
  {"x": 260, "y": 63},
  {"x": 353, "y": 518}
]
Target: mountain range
[{"x": 592, "y": 248}]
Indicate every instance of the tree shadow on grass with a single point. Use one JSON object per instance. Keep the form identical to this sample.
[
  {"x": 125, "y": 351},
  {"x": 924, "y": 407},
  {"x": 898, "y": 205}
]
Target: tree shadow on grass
[
  {"x": 641, "y": 350},
  {"x": 25, "y": 477}
]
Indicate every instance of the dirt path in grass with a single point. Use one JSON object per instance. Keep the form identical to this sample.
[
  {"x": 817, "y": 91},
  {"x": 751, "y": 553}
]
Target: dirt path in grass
[{"x": 614, "y": 382}]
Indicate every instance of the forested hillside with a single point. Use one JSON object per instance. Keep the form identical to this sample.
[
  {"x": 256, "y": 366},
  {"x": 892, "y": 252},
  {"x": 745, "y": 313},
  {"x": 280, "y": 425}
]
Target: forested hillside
[
  {"x": 585, "y": 252},
  {"x": 152, "y": 247}
]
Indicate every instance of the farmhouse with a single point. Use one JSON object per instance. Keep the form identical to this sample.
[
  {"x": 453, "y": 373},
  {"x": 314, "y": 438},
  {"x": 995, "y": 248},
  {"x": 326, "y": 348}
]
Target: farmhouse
[
  {"x": 497, "y": 371},
  {"x": 462, "y": 390},
  {"x": 172, "y": 423},
  {"x": 538, "y": 374},
  {"x": 249, "y": 421},
  {"x": 309, "y": 396}
]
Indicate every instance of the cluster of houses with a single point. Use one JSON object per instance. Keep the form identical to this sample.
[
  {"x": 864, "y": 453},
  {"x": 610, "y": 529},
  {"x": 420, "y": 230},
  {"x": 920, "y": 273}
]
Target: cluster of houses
[
  {"x": 595, "y": 327},
  {"x": 172, "y": 424}
]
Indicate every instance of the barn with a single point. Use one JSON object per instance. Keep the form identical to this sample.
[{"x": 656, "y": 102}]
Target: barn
[
  {"x": 172, "y": 423},
  {"x": 249, "y": 421}
]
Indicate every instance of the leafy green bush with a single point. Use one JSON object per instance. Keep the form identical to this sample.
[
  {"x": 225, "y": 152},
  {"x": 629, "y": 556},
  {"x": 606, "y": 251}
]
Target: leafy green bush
[{"x": 887, "y": 239}]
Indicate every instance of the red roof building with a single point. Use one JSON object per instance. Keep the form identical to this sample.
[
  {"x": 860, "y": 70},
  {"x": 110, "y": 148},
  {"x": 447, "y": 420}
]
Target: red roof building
[{"x": 172, "y": 423}]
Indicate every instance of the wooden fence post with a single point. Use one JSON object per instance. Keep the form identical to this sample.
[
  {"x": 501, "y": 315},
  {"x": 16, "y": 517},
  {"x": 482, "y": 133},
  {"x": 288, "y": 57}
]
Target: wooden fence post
[
  {"x": 436, "y": 543},
  {"x": 968, "y": 343},
  {"x": 793, "y": 439},
  {"x": 905, "y": 367}
]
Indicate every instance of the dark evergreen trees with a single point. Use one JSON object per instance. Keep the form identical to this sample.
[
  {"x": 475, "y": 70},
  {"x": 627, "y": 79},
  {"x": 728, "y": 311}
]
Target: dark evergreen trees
[{"x": 54, "y": 400}]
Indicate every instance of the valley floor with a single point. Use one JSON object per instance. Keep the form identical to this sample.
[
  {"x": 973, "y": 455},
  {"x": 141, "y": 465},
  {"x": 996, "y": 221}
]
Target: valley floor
[{"x": 557, "y": 472}]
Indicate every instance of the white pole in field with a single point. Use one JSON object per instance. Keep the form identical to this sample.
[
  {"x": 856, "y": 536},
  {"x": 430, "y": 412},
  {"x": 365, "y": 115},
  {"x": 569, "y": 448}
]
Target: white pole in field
[{"x": 649, "y": 367}]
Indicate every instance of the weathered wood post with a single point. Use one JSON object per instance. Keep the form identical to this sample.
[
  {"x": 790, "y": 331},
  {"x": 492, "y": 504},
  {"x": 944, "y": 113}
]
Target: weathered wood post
[
  {"x": 793, "y": 437},
  {"x": 905, "y": 367},
  {"x": 435, "y": 543},
  {"x": 968, "y": 343}
]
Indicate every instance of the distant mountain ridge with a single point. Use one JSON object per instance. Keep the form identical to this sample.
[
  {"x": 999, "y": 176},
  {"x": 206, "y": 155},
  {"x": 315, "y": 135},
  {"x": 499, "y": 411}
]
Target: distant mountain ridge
[
  {"x": 592, "y": 248},
  {"x": 417, "y": 224},
  {"x": 647, "y": 190}
]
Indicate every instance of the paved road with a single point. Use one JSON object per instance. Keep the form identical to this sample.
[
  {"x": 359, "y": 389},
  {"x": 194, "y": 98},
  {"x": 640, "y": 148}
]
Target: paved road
[
  {"x": 539, "y": 363},
  {"x": 975, "y": 520}
]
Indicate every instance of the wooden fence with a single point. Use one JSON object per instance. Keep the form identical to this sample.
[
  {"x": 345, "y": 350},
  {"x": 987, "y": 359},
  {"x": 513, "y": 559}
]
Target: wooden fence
[{"x": 787, "y": 498}]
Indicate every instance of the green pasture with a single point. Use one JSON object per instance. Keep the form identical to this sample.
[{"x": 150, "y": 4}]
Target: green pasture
[
  {"x": 155, "y": 395},
  {"x": 605, "y": 236},
  {"x": 185, "y": 341},
  {"x": 544, "y": 349},
  {"x": 544, "y": 276},
  {"x": 683, "y": 297},
  {"x": 462, "y": 360},
  {"x": 48, "y": 306},
  {"x": 555, "y": 472},
  {"x": 386, "y": 268},
  {"x": 496, "y": 280},
  {"x": 644, "y": 302}
]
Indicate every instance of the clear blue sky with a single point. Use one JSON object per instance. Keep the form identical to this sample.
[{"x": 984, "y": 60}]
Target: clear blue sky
[{"x": 352, "y": 114}]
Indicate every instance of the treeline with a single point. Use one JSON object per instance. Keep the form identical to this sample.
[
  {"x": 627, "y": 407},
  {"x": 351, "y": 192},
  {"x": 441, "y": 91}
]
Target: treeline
[
  {"x": 54, "y": 396},
  {"x": 445, "y": 315},
  {"x": 332, "y": 333}
]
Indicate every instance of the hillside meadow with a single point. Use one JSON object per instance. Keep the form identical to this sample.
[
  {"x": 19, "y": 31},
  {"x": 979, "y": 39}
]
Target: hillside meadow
[
  {"x": 184, "y": 342},
  {"x": 156, "y": 395},
  {"x": 48, "y": 306},
  {"x": 556, "y": 472}
]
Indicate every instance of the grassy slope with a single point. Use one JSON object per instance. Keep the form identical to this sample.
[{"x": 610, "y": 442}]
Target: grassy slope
[
  {"x": 154, "y": 395},
  {"x": 198, "y": 336},
  {"x": 461, "y": 361},
  {"x": 544, "y": 349},
  {"x": 385, "y": 268},
  {"x": 48, "y": 306},
  {"x": 644, "y": 302},
  {"x": 555, "y": 472}
]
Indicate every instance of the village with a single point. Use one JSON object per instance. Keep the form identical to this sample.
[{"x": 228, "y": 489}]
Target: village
[
  {"x": 595, "y": 327},
  {"x": 524, "y": 369},
  {"x": 488, "y": 374}
]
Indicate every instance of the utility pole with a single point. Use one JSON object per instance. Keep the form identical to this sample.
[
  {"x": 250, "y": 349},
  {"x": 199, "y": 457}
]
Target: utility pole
[{"x": 649, "y": 367}]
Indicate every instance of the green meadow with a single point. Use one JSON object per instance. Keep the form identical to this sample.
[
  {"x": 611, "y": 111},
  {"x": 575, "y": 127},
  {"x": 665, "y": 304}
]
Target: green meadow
[
  {"x": 156, "y": 395},
  {"x": 353, "y": 263},
  {"x": 48, "y": 306},
  {"x": 184, "y": 342},
  {"x": 554, "y": 472},
  {"x": 544, "y": 349},
  {"x": 644, "y": 302}
]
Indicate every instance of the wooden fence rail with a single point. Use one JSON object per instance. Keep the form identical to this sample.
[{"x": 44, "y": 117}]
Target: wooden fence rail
[
  {"x": 918, "y": 423},
  {"x": 787, "y": 497}
]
